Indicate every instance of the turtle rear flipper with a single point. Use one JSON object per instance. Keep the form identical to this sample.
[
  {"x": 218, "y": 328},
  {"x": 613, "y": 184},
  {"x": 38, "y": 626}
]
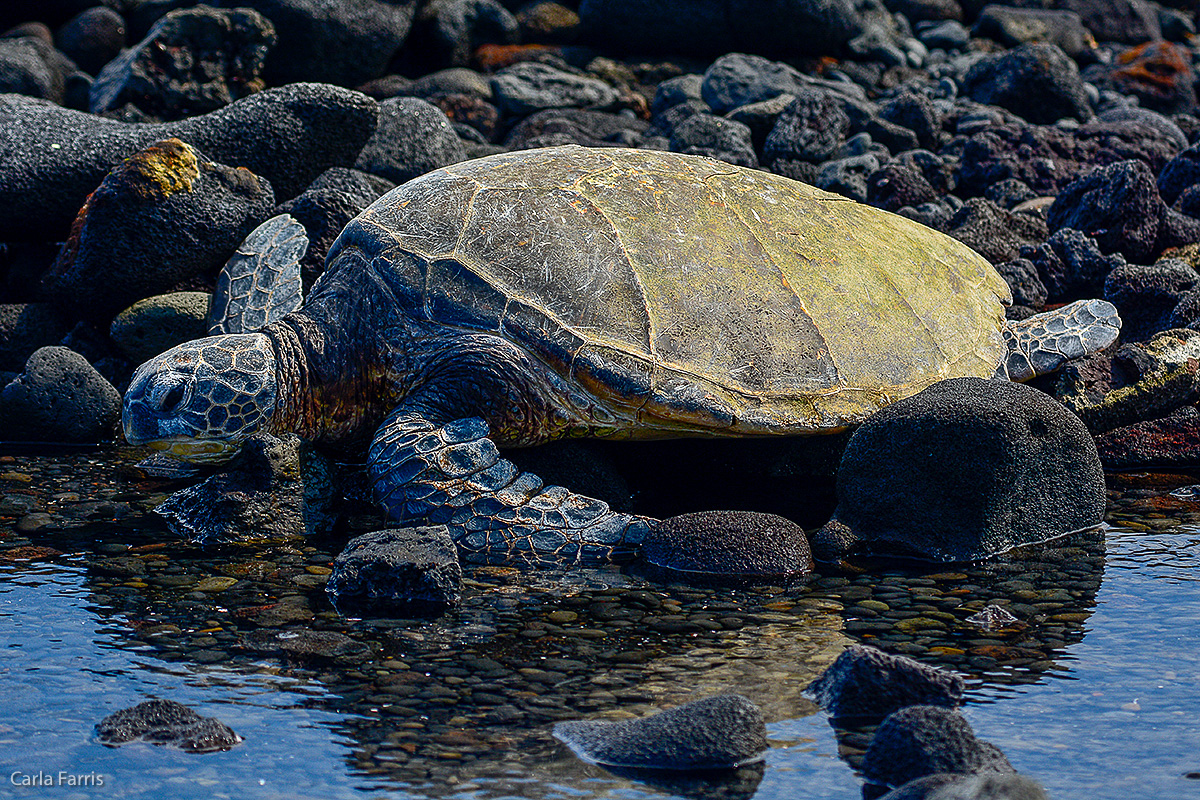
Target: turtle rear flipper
[
  {"x": 1044, "y": 342},
  {"x": 453, "y": 474},
  {"x": 260, "y": 283}
]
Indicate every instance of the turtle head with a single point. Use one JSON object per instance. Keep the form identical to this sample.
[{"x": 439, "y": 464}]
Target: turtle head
[{"x": 198, "y": 401}]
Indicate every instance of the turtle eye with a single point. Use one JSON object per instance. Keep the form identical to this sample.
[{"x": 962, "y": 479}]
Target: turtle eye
[{"x": 173, "y": 399}]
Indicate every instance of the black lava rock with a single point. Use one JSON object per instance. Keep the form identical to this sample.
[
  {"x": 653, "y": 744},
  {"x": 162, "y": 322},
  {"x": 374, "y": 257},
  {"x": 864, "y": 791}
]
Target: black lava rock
[
  {"x": 995, "y": 233},
  {"x": 1038, "y": 82},
  {"x": 726, "y": 548},
  {"x": 273, "y": 489},
  {"x": 397, "y": 572},
  {"x": 715, "y": 733},
  {"x": 926, "y": 740},
  {"x": 1071, "y": 265},
  {"x": 1120, "y": 206},
  {"x": 1146, "y": 297},
  {"x": 848, "y": 176},
  {"x": 915, "y": 111},
  {"x": 156, "y": 324},
  {"x": 956, "y": 786},
  {"x": 1023, "y": 281},
  {"x": 737, "y": 79},
  {"x": 413, "y": 137},
  {"x": 557, "y": 126},
  {"x": 811, "y": 128},
  {"x": 527, "y": 87},
  {"x": 92, "y": 38},
  {"x": 1128, "y": 21},
  {"x": 715, "y": 137},
  {"x": 52, "y": 158},
  {"x": 163, "y": 215},
  {"x": 867, "y": 683},
  {"x": 1013, "y": 27},
  {"x": 446, "y": 33},
  {"x": 24, "y": 327},
  {"x": 344, "y": 43},
  {"x": 710, "y": 27},
  {"x": 59, "y": 397},
  {"x": 1180, "y": 173},
  {"x": 894, "y": 186},
  {"x": 193, "y": 61},
  {"x": 307, "y": 647},
  {"x": 165, "y": 722},
  {"x": 966, "y": 469},
  {"x": 32, "y": 67}
]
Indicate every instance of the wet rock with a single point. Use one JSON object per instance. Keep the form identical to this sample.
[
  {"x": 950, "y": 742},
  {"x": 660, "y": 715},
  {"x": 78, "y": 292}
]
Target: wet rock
[
  {"x": 1048, "y": 157},
  {"x": 413, "y": 137},
  {"x": 307, "y": 645},
  {"x": 926, "y": 740},
  {"x": 274, "y": 488},
  {"x": 156, "y": 324},
  {"x": 1071, "y": 266},
  {"x": 528, "y": 87},
  {"x": 24, "y": 327},
  {"x": 710, "y": 27},
  {"x": 397, "y": 572},
  {"x": 1121, "y": 206},
  {"x": 557, "y": 126},
  {"x": 1128, "y": 21},
  {"x": 193, "y": 61},
  {"x": 163, "y": 215},
  {"x": 715, "y": 733},
  {"x": 1146, "y": 297},
  {"x": 1038, "y": 82},
  {"x": 92, "y": 38},
  {"x": 1171, "y": 441},
  {"x": 866, "y": 682},
  {"x": 1158, "y": 74},
  {"x": 954, "y": 786},
  {"x": 964, "y": 470},
  {"x": 715, "y": 137},
  {"x": 59, "y": 397},
  {"x": 726, "y": 548},
  {"x": 344, "y": 43},
  {"x": 548, "y": 22},
  {"x": 996, "y": 233},
  {"x": 811, "y": 128},
  {"x": 446, "y": 33},
  {"x": 51, "y": 158},
  {"x": 1013, "y": 27},
  {"x": 165, "y": 722}
]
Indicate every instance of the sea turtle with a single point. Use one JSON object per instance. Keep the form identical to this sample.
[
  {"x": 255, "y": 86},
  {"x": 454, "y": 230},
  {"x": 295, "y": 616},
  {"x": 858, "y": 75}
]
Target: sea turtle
[{"x": 567, "y": 292}]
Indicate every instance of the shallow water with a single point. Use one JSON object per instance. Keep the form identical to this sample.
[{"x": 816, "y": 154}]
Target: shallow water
[{"x": 1095, "y": 694}]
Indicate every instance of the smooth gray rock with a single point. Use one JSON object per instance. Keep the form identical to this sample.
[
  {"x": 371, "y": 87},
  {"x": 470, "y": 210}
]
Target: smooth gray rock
[
  {"x": 165, "y": 722},
  {"x": 59, "y": 397},
  {"x": 715, "y": 733},
  {"x": 527, "y": 87},
  {"x": 964, "y": 470},
  {"x": 412, "y": 138},
  {"x": 867, "y": 682},
  {"x": 950, "y": 786},
  {"x": 397, "y": 572},
  {"x": 273, "y": 489},
  {"x": 925, "y": 740},
  {"x": 92, "y": 38},
  {"x": 156, "y": 324},
  {"x": 51, "y": 158}
]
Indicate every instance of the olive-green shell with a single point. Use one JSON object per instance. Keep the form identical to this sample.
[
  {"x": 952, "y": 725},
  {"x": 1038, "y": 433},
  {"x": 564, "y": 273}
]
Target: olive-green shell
[{"x": 688, "y": 294}]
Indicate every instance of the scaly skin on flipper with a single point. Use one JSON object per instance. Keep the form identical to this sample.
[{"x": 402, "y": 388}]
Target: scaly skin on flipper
[
  {"x": 260, "y": 283},
  {"x": 1044, "y": 342}
]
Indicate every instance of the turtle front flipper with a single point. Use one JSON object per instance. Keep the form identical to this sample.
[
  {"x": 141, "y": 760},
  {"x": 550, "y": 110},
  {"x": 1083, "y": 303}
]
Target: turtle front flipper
[
  {"x": 453, "y": 474},
  {"x": 261, "y": 281},
  {"x": 1044, "y": 342}
]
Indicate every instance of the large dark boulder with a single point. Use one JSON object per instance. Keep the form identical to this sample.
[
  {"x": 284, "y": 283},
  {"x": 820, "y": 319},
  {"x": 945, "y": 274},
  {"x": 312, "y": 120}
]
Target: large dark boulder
[
  {"x": 964, "y": 470},
  {"x": 51, "y": 158},
  {"x": 163, "y": 215},
  {"x": 59, "y": 397},
  {"x": 1037, "y": 82}
]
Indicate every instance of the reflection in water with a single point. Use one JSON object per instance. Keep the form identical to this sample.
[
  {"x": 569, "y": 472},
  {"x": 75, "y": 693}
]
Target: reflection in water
[{"x": 463, "y": 705}]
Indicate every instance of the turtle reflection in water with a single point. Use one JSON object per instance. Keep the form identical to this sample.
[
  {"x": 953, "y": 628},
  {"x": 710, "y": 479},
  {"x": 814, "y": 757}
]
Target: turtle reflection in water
[{"x": 571, "y": 292}]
